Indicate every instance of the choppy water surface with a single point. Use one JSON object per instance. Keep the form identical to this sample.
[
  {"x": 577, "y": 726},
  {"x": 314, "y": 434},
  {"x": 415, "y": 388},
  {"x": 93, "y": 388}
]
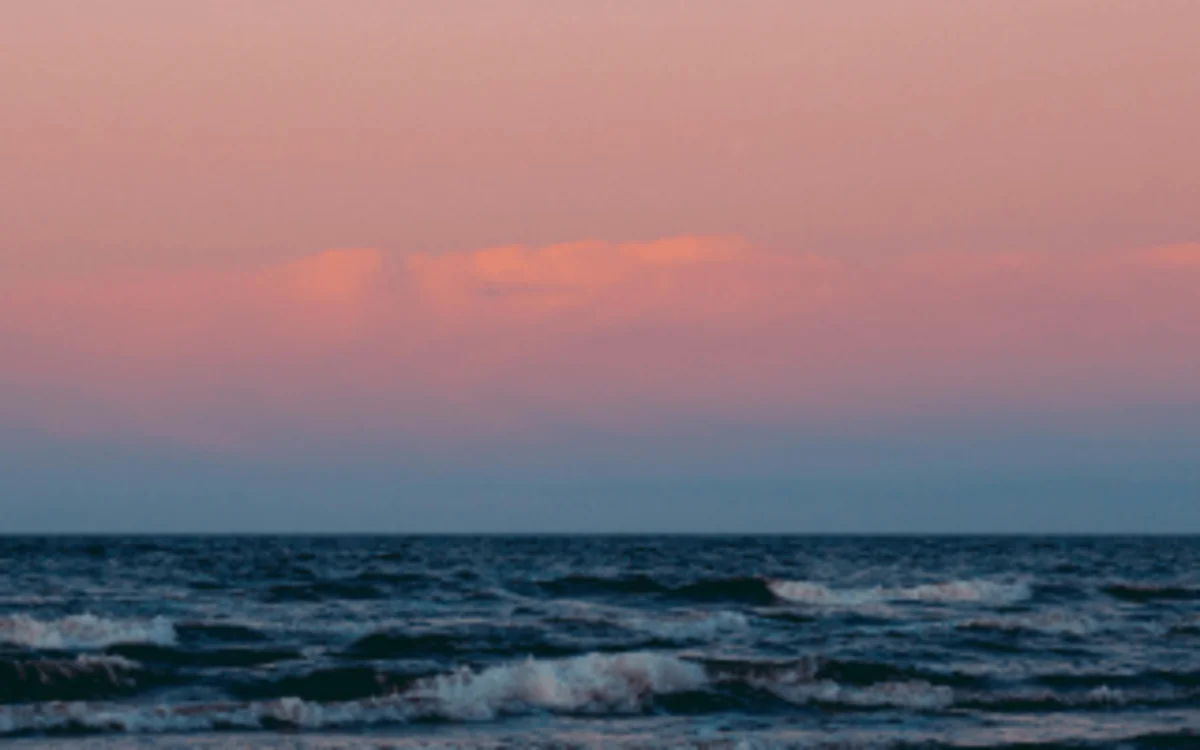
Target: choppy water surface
[{"x": 600, "y": 642}]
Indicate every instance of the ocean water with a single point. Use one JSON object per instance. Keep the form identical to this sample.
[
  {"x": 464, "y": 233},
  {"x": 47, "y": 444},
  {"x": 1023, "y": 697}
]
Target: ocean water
[{"x": 624, "y": 642}]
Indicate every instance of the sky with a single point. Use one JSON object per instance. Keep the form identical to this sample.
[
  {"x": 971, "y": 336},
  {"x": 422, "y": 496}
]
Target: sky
[{"x": 529, "y": 265}]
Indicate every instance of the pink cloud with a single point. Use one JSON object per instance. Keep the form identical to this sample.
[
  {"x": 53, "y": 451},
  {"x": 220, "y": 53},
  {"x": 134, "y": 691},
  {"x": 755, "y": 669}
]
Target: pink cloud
[
  {"x": 500, "y": 341},
  {"x": 1186, "y": 256}
]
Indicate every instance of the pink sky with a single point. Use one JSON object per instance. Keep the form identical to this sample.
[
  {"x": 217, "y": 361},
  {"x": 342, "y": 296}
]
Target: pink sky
[
  {"x": 503, "y": 341},
  {"x": 617, "y": 215}
]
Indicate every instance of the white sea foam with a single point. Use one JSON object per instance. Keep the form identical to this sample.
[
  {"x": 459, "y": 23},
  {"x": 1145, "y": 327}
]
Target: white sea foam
[
  {"x": 798, "y": 684},
  {"x": 1054, "y": 622},
  {"x": 688, "y": 625},
  {"x": 600, "y": 684},
  {"x": 704, "y": 626},
  {"x": 1098, "y": 697},
  {"x": 83, "y": 632},
  {"x": 916, "y": 695},
  {"x": 596, "y": 683},
  {"x": 964, "y": 592}
]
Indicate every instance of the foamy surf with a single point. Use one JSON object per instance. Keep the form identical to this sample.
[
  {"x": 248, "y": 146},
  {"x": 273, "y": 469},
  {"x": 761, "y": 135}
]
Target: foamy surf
[
  {"x": 599, "y": 684},
  {"x": 914, "y": 695},
  {"x": 83, "y": 632},
  {"x": 593, "y": 684},
  {"x": 258, "y": 640},
  {"x": 673, "y": 625},
  {"x": 950, "y": 592}
]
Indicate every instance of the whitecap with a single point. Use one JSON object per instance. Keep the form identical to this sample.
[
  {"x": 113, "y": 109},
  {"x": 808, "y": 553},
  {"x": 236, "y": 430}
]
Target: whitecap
[
  {"x": 949, "y": 592},
  {"x": 83, "y": 632},
  {"x": 916, "y": 695},
  {"x": 595, "y": 683}
]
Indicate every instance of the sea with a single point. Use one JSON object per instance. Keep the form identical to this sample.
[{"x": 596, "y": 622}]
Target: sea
[{"x": 599, "y": 642}]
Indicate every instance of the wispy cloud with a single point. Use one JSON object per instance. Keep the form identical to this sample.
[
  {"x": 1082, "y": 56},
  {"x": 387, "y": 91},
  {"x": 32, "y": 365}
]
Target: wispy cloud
[{"x": 501, "y": 341}]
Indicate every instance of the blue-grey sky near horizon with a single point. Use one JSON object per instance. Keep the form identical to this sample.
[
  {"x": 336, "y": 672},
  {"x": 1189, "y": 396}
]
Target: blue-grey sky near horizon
[{"x": 1007, "y": 482}]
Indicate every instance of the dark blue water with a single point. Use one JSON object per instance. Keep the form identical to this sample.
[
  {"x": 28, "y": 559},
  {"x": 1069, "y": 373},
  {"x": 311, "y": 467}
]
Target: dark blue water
[{"x": 600, "y": 642}]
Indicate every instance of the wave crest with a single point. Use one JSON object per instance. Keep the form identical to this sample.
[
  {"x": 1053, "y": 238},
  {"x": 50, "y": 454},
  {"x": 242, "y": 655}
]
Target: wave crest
[
  {"x": 85, "y": 676},
  {"x": 1046, "y": 623},
  {"x": 595, "y": 683},
  {"x": 83, "y": 632},
  {"x": 916, "y": 695},
  {"x": 949, "y": 592}
]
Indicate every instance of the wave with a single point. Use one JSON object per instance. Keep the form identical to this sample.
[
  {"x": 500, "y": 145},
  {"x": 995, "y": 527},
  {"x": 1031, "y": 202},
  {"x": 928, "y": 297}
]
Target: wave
[
  {"x": 584, "y": 628},
  {"x": 748, "y": 590},
  {"x": 330, "y": 684},
  {"x": 950, "y": 592},
  {"x": 388, "y": 645},
  {"x": 1099, "y": 697},
  {"x": 584, "y": 585},
  {"x": 595, "y": 684},
  {"x": 762, "y": 591},
  {"x": 915, "y": 695},
  {"x": 1046, "y": 623},
  {"x": 318, "y": 591},
  {"x": 1186, "y": 626},
  {"x": 1142, "y": 593},
  {"x": 86, "y": 676},
  {"x": 218, "y": 632},
  {"x": 441, "y": 645},
  {"x": 668, "y": 627},
  {"x": 410, "y": 580},
  {"x": 754, "y": 591},
  {"x": 863, "y": 673},
  {"x": 206, "y": 657},
  {"x": 692, "y": 627},
  {"x": 83, "y": 632}
]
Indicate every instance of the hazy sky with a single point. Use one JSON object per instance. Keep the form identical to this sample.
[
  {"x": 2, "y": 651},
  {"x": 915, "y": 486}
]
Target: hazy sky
[{"x": 568, "y": 265}]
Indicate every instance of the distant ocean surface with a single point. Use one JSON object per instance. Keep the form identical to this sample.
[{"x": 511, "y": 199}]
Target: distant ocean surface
[{"x": 597, "y": 642}]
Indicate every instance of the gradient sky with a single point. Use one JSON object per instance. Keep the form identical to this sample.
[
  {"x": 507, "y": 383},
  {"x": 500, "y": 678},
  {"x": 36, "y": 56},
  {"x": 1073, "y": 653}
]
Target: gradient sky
[{"x": 600, "y": 266}]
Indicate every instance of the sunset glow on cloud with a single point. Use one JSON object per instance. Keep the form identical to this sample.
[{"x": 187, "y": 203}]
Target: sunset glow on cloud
[{"x": 611, "y": 335}]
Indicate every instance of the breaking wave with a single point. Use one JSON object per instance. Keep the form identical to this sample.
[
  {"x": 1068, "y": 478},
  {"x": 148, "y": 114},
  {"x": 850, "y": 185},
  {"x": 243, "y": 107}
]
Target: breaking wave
[
  {"x": 83, "y": 632},
  {"x": 1046, "y": 623},
  {"x": 668, "y": 627},
  {"x": 594, "y": 684},
  {"x": 85, "y": 677},
  {"x": 249, "y": 641},
  {"x": 915, "y": 695},
  {"x": 761, "y": 591},
  {"x": 950, "y": 592}
]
